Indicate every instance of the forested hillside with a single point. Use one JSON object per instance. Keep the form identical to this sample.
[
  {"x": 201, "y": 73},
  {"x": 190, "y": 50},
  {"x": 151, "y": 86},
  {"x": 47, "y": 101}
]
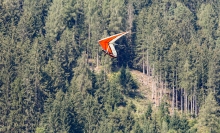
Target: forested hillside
[{"x": 55, "y": 78}]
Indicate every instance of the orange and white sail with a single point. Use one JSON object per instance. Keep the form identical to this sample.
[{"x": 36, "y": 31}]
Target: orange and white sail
[{"x": 108, "y": 43}]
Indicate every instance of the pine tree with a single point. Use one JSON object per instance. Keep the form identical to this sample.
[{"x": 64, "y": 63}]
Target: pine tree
[
  {"x": 137, "y": 128},
  {"x": 141, "y": 40},
  {"x": 92, "y": 114},
  {"x": 213, "y": 72},
  {"x": 93, "y": 22},
  {"x": 122, "y": 121},
  {"x": 174, "y": 122},
  {"x": 164, "y": 128},
  {"x": 55, "y": 20},
  {"x": 207, "y": 22},
  {"x": 60, "y": 115},
  {"x": 148, "y": 114},
  {"x": 208, "y": 119},
  {"x": 184, "y": 126}
]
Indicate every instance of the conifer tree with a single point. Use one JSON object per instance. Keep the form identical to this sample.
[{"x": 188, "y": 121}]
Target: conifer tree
[
  {"x": 60, "y": 115},
  {"x": 208, "y": 119},
  {"x": 55, "y": 20},
  {"x": 207, "y": 22}
]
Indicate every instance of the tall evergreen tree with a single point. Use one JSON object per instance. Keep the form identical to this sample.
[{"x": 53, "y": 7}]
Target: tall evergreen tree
[
  {"x": 60, "y": 115},
  {"x": 208, "y": 119}
]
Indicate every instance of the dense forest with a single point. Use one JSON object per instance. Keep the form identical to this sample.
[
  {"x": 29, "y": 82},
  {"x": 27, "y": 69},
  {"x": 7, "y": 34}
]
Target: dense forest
[{"x": 55, "y": 78}]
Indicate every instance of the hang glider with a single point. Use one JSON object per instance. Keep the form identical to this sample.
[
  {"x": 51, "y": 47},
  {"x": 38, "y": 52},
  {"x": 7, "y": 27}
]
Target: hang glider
[{"x": 108, "y": 43}]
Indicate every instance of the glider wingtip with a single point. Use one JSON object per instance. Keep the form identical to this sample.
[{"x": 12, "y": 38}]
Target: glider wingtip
[{"x": 126, "y": 32}]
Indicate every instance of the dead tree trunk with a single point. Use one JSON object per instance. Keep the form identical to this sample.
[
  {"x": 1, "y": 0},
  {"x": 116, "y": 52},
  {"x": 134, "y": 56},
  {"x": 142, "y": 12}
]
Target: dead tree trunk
[
  {"x": 147, "y": 64},
  {"x": 181, "y": 100},
  {"x": 195, "y": 101},
  {"x": 173, "y": 96},
  {"x": 185, "y": 99},
  {"x": 176, "y": 101},
  {"x": 191, "y": 104}
]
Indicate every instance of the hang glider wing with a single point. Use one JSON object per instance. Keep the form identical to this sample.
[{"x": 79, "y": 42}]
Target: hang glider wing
[{"x": 108, "y": 43}]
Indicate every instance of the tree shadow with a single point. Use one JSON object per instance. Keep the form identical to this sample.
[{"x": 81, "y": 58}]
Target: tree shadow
[{"x": 135, "y": 94}]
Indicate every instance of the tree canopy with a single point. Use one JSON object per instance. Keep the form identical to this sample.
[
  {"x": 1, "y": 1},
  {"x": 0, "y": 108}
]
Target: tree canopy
[{"x": 55, "y": 78}]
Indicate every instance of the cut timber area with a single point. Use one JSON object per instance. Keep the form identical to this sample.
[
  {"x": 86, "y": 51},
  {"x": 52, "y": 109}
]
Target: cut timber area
[{"x": 151, "y": 91}]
